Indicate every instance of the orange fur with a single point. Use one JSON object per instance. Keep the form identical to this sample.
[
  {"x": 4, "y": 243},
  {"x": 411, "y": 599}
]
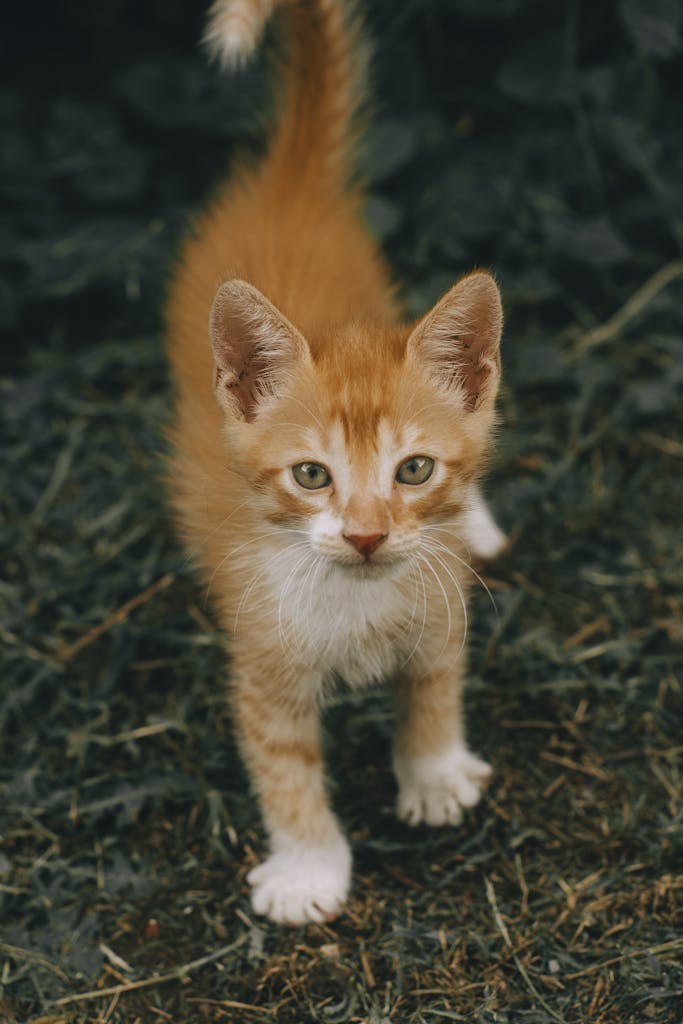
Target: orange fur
[{"x": 309, "y": 363}]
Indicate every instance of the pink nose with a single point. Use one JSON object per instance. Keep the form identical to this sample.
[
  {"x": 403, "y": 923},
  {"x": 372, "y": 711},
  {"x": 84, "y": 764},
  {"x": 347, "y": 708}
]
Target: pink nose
[{"x": 365, "y": 544}]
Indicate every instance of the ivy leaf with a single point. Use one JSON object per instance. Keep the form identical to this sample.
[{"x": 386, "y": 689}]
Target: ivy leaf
[
  {"x": 654, "y": 25},
  {"x": 382, "y": 216},
  {"x": 185, "y": 94},
  {"x": 542, "y": 366},
  {"x": 593, "y": 241},
  {"x": 537, "y": 72},
  {"x": 390, "y": 145},
  {"x": 85, "y": 146}
]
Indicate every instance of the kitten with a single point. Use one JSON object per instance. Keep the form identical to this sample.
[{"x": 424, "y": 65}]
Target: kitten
[{"x": 328, "y": 485}]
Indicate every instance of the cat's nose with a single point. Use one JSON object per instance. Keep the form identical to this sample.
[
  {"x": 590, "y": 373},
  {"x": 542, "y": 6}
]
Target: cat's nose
[{"x": 365, "y": 544}]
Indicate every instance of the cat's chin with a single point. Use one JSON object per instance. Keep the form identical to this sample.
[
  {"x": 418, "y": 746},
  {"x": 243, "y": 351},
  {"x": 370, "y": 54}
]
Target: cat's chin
[{"x": 368, "y": 570}]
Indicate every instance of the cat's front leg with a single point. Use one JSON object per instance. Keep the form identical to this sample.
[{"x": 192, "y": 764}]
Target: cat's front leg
[
  {"x": 307, "y": 875},
  {"x": 438, "y": 776}
]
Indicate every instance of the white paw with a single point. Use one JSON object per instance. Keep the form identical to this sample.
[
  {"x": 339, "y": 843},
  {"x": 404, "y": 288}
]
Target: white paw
[
  {"x": 437, "y": 787},
  {"x": 300, "y": 883},
  {"x": 484, "y": 537}
]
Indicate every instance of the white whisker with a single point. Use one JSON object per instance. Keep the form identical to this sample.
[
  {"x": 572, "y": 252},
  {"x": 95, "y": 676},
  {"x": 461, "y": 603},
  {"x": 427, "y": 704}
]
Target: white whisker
[
  {"x": 417, "y": 643},
  {"x": 253, "y": 540},
  {"x": 446, "y": 550},
  {"x": 209, "y": 533},
  {"x": 458, "y": 588},
  {"x": 440, "y": 401},
  {"x": 413, "y": 575},
  {"x": 306, "y": 584},
  {"x": 286, "y": 643},
  {"x": 310, "y": 412},
  {"x": 270, "y": 564},
  {"x": 229, "y": 554},
  {"x": 446, "y": 602}
]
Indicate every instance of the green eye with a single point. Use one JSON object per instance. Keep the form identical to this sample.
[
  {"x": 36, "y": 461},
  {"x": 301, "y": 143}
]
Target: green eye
[
  {"x": 311, "y": 476},
  {"x": 415, "y": 470}
]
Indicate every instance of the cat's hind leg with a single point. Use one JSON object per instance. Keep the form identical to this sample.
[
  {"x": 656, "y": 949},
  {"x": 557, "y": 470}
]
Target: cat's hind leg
[{"x": 481, "y": 533}]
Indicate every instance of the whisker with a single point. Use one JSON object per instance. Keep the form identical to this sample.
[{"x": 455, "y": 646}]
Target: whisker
[
  {"x": 456, "y": 584},
  {"x": 421, "y": 410},
  {"x": 414, "y": 608},
  {"x": 209, "y": 534},
  {"x": 307, "y": 584},
  {"x": 260, "y": 574},
  {"x": 310, "y": 412},
  {"x": 449, "y": 614},
  {"x": 305, "y": 567},
  {"x": 227, "y": 518},
  {"x": 320, "y": 563},
  {"x": 416, "y": 565},
  {"x": 253, "y": 540},
  {"x": 303, "y": 585},
  {"x": 447, "y": 527},
  {"x": 286, "y": 643},
  {"x": 449, "y": 551},
  {"x": 224, "y": 559}
]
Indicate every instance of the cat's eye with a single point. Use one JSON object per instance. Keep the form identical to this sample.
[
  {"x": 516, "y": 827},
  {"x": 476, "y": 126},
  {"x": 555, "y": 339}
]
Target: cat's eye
[
  {"x": 311, "y": 475},
  {"x": 416, "y": 470}
]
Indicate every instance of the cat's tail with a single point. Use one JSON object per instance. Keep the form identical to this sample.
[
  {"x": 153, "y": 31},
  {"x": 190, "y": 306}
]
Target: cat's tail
[{"x": 323, "y": 77}]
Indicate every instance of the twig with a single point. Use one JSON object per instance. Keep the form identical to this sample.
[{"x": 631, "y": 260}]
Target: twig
[
  {"x": 177, "y": 974},
  {"x": 566, "y": 762},
  {"x": 663, "y": 947},
  {"x": 30, "y": 652},
  {"x": 142, "y": 732},
  {"x": 233, "y": 1004},
  {"x": 668, "y": 445},
  {"x": 114, "y": 958},
  {"x": 17, "y": 953},
  {"x": 502, "y": 928},
  {"x": 122, "y": 613},
  {"x": 637, "y": 302},
  {"x": 367, "y": 969}
]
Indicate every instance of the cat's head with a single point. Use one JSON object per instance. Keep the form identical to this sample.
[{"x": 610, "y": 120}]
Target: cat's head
[{"x": 359, "y": 440}]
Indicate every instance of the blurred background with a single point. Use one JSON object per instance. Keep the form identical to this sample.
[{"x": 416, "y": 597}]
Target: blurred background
[{"x": 542, "y": 141}]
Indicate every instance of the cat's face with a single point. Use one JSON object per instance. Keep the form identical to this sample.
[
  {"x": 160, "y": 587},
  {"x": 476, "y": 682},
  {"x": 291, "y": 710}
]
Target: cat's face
[
  {"x": 363, "y": 489},
  {"x": 359, "y": 445}
]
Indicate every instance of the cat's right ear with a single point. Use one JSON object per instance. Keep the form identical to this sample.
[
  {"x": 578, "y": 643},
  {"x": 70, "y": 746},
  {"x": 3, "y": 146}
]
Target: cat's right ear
[
  {"x": 255, "y": 349},
  {"x": 457, "y": 342}
]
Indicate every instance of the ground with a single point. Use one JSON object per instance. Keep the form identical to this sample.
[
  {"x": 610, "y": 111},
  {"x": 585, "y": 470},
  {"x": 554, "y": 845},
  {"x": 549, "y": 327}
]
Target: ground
[{"x": 542, "y": 141}]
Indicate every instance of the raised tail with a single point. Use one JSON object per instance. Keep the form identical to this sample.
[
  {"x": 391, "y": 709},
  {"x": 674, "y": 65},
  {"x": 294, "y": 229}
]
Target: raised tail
[{"x": 323, "y": 77}]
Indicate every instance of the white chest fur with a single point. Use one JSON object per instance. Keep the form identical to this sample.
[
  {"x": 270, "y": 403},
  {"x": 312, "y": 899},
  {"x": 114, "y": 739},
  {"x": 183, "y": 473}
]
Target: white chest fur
[{"x": 360, "y": 629}]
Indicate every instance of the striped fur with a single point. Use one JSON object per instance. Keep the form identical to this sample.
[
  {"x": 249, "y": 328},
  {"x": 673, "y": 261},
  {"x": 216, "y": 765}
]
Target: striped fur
[{"x": 283, "y": 307}]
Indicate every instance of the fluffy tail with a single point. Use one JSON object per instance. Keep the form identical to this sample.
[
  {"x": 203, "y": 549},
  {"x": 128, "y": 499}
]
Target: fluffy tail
[{"x": 323, "y": 76}]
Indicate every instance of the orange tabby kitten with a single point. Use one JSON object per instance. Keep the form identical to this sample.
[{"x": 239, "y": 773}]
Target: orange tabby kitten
[{"x": 325, "y": 466}]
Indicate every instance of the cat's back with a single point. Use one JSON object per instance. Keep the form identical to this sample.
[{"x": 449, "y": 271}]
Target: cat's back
[
  {"x": 288, "y": 224},
  {"x": 309, "y": 252}
]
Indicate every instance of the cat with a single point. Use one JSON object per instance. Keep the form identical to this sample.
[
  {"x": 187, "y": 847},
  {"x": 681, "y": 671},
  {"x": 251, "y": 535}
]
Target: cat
[{"x": 325, "y": 461}]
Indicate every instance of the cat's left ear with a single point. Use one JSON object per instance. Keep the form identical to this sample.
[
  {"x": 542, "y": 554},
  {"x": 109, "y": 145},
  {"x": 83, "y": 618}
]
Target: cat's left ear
[
  {"x": 255, "y": 349},
  {"x": 458, "y": 341}
]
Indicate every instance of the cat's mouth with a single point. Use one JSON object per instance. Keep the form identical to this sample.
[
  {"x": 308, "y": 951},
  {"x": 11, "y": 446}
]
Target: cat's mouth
[
  {"x": 368, "y": 568},
  {"x": 364, "y": 570}
]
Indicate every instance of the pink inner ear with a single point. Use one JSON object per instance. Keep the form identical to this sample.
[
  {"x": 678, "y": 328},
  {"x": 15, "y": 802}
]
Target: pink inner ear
[
  {"x": 473, "y": 376},
  {"x": 241, "y": 386},
  {"x": 254, "y": 346},
  {"x": 459, "y": 339},
  {"x": 234, "y": 354}
]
